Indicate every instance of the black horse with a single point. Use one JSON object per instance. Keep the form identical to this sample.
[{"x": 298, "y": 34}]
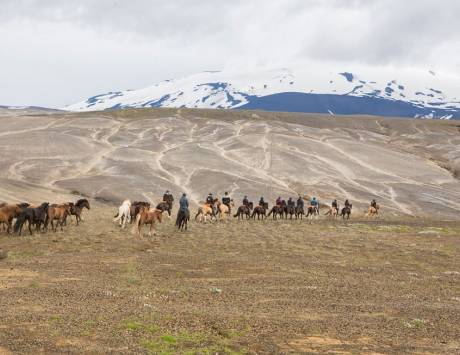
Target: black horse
[
  {"x": 346, "y": 211},
  {"x": 183, "y": 216},
  {"x": 260, "y": 211},
  {"x": 299, "y": 212},
  {"x": 165, "y": 206},
  {"x": 244, "y": 210},
  {"x": 289, "y": 210},
  {"x": 34, "y": 216},
  {"x": 78, "y": 208}
]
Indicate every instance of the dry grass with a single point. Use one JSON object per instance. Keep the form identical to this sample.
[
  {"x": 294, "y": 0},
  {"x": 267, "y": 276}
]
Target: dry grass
[{"x": 234, "y": 288}]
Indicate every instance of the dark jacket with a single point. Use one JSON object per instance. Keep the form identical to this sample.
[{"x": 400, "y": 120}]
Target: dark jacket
[
  {"x": 210, "y": 200},
  {"x": 226, "y": 200},
  {"x": 183, "y": 203},
  {"x": 300, "y": 202},
  {"x": 245, "y": 202}
]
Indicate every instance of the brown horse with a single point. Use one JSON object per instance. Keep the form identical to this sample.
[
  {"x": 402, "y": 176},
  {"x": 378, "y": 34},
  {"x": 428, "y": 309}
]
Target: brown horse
[
  {"x": 7, "y": 213},
  {"x": 244, "y": 210},
  {"x": 147, "y": 216},
  {"x": 223, "y": 211},
  {"x": 136, "y": 207},
  {"x": 206, "y": 210},
  {"x": 78, "y": 209},
  {"x": 57, "y": 213},
  {"x": 333, "y": 212},
  {"x": 260, "y": 211},
  {"x": 373, "y": 211}
]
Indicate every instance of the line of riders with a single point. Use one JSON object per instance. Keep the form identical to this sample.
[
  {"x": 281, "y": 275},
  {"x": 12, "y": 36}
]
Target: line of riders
[
  {"x": 215, "y": 208},
  {"x": 40, "y": 216}
]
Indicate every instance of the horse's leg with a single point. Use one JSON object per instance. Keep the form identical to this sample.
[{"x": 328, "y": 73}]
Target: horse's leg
[{"x": 30, "y": 227}]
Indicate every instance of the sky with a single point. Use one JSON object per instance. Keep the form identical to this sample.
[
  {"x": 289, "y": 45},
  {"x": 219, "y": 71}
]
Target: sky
[{"x": 58, "y": 52}]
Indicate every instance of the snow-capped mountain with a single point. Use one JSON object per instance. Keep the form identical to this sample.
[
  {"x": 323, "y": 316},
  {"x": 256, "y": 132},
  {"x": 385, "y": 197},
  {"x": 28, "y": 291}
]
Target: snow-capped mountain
[{"x": 423, "y": 94}]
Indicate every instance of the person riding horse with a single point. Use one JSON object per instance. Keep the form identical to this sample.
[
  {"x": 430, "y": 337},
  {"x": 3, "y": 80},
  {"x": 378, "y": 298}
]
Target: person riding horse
[
  {"x": 347, "y": 203},
  {"x": 290, "y": 202},
  {"x": 183, "y": 215},
  {"x": 315, "y": 204},
  {"x": 300, "y": 203},
  {"x": 374, "y": 204},
  {"x": 279, "y": 201},
  {"x": 210, "y": 202},
  {"x": 245, "y": 201},
  {"x": 169, "y": 198},
  {"x": 335, "y": 205},
  {"x": 226, "y": 200},
  {"x": 261, "y": 202}
]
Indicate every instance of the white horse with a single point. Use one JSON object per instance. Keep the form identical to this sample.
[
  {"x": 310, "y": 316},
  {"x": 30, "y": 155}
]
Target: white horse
[{"x": 124, "y": 213}]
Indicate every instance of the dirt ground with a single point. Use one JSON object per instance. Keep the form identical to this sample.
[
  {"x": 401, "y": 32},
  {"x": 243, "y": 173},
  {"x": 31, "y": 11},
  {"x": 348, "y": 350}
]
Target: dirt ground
[{"x": 370, "y": 287}]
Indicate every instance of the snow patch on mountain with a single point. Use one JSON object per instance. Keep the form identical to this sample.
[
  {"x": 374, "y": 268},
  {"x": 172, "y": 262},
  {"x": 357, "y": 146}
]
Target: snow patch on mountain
[{"x": 411, "y": 93}]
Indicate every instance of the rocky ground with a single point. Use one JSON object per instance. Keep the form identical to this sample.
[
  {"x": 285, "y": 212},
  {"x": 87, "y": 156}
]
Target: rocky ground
[
  {"x": 366, "y": 286},
  {"x": 410, "y": 166}
]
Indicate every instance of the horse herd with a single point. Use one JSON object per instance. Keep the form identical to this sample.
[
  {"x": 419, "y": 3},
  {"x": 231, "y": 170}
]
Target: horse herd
[
  {"x": 39, "y": 217},
  {"x": 140, "y": 213}
]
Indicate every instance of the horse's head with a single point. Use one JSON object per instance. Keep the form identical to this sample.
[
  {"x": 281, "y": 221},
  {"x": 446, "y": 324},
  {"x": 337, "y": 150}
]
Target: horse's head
[
  {"x": 251, "y": 205},
  {"x": 82, "y": 203}
]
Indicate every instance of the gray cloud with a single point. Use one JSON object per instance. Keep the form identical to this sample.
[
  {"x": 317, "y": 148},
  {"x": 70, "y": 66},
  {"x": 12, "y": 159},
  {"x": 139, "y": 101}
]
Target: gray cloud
[{"x": 59, "y": 51}]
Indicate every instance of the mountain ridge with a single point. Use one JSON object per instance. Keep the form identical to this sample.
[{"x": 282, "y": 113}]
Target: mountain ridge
[{"x": 418, "y": 95}]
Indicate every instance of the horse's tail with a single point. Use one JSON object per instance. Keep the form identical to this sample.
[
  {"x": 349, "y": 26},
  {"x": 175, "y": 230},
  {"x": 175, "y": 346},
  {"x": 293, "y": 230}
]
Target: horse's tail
[
  {"x": 136, "y": 227},
  {"x": 19, "y": 222},
  {"x": 238, "y": 211},
  {"x": 179, "y": 217},
  {"x": 200, "y": 210}
]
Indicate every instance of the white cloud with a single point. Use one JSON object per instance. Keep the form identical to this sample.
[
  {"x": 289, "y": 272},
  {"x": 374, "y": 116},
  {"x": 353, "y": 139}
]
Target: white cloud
[{"x": 55, "y": 52}]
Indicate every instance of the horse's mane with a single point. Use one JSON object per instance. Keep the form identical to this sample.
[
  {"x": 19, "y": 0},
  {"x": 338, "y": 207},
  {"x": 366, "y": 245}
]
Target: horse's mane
[{"x": 81, "y": 201}]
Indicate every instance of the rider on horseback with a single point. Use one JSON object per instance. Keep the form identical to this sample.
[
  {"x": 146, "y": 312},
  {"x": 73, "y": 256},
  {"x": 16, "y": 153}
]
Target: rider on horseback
[
  {"x": 183, "y": 203},
  {"x": 291, "y": 202},
  {"x": 245, "y": 201},
  {"x": 335, "y": 205},
  {"x": 315, "y": 204},
  {"x": 374, "y": 204},
  {"x": 262, "y": 202},
  {"x": 347, "y": 203},
  {"x": 226, "y": 200},
  {"x": 300, "y": 202},
  {"x": 168, "y": 197},
  {"x": 210, "y": 202},
  {"x": 279, "y": 201}
]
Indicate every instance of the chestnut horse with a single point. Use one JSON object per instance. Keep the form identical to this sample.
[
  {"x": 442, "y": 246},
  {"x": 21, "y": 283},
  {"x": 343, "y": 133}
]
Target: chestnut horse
[
  {"x": 57, "y": 213},
  {"x": 147, "y": 216},
  {"x": 373, "y": 211},
  {"x": 7, "y": 213},
  {"x": 223, "y": 211},
  {"x": 206, "y": 210}
]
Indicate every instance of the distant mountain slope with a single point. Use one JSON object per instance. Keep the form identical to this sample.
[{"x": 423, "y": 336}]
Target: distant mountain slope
[{"x": 404, "y": 94}]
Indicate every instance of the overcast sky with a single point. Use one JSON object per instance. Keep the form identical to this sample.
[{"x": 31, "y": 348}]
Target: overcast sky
[{"x": 58, "y": 52}]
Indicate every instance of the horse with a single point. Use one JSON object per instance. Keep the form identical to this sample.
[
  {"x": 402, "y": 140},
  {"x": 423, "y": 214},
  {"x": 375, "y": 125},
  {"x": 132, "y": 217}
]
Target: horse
[
  {"x": 333, "y": 212},
  {"x": 244, "y": 210},
  {"x": 312, "y": 211},
  {"x": 223, "y": 210},
  {"x": 147, "y": 216},
  {"x": 260, "y": 211},
  {"x": 183, "y": 216},
  {"x": 206, "y": 210},
  {"x": 34, "y": 216},
  {"x": 299, "y": 212},
  {"x": 124, "y": 213},
  {"x": 7, "y": 213},
  {"x": 135, "y": 208},
  {"x": 277, "y": 210},
  {"x": 165, "y": 206},
  {"x": 57, "y": 213},
  {"x": 78, "y": 209},
  {"x": 289, "y": 210},
  {"x": 346, "y": 211},
  {"x": 373, "y": 211}
]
